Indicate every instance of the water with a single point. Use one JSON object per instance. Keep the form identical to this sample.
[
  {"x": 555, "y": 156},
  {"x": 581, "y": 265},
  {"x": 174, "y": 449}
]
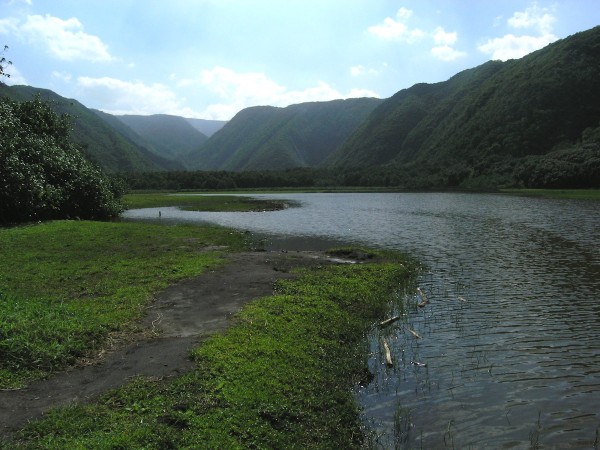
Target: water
[{"x": 511, "y": 336}]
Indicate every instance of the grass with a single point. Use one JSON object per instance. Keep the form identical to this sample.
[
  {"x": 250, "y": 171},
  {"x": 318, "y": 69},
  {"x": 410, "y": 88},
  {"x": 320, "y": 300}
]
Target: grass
[
  {"x": 575, "y": 194},
  {"x": 66, "y": 285},
  {"x": 281, "y": 377},
  {"x": 201, "y": 202}
]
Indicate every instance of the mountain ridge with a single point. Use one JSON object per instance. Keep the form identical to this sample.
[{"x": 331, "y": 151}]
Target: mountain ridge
[
  {"x": 100, "y": 142},
  {"x": 268, "y": 137},
  {"x": 490, "y": 115}
]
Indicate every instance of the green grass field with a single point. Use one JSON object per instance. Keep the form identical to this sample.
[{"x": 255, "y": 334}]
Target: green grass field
[{"x": 65, "y": 285}]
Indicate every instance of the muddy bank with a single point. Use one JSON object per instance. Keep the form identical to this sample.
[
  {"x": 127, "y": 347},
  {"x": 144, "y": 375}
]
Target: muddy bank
[{"x": 178, "y": 320}]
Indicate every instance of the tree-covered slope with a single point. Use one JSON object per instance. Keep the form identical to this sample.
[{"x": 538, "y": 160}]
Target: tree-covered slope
[
  {"x": 491, "y": 115},
  {"x": 144, "y": 145},
  {"x": 168, "y": 136},
  {"x": 101, "y": 143},
  {"x": 266, "y": 137}
]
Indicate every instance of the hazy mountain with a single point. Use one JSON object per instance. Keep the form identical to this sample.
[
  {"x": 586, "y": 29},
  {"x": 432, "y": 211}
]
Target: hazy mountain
[
  {"x": 207, "y": 127},
  {"x": 485, "y": 119},
  {"x": 147, "y": 146},
  {"x": 267, "y": 137},
  {"x": 103, "y": 144},
  {"x": 167, "y": 136}
]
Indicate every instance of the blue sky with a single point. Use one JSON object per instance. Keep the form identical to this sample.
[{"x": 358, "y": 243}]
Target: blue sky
[{"x": 211, "y": 58}]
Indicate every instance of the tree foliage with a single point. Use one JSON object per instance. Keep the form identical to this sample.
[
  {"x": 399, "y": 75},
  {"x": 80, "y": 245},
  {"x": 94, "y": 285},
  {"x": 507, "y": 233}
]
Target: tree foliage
[
  {"x": 43, "y": 174},
  {"x": 3, "y": 63}
]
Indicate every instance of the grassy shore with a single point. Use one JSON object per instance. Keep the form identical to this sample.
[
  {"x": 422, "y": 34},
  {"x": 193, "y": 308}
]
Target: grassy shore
[
  {"x": 281, "y": 377},
  {"x": 575, "y": 194},
  {"x": 203, "y": 202}
]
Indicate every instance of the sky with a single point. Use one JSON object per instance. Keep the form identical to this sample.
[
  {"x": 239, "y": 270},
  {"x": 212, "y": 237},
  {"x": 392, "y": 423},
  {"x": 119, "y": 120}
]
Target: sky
[{"x": 210, "y": 59}]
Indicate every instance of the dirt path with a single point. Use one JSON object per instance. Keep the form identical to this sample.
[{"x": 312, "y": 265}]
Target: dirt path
[{"x": 182, "y": 315}]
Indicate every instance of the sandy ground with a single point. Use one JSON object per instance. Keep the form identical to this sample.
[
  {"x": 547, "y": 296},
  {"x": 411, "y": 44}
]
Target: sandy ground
[{"x": 178, "y": 320}]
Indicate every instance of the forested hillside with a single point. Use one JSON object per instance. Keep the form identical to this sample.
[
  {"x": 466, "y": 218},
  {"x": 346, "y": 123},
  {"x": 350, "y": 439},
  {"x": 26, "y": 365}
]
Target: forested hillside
[
  {"x": 489, "y": 124},
  {"x": 270, "y": 138},
  {"x": 101, "y": 143},
  {"x": 168, "y": 136},
  {"x": 532, "y": 122}
]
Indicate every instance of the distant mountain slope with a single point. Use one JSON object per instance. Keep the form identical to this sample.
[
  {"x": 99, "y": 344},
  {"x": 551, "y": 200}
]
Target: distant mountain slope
[
  {"x": 168, "y": 136},
  {"x": 139, "y": 141},
  {"x": 487, "y": 116},
  {"x": 207, "y": 127},
  {"x": 101, "y": 143},
  {"x": 266, "y": 137}
]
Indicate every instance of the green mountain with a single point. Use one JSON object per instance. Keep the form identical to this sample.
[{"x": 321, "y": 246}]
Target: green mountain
[
  {"x": 490, "y": 120},
  {"x": 267, "y": 138},
  {"x": 101, "y": 143},
  {"x": 168, "y": 136}
]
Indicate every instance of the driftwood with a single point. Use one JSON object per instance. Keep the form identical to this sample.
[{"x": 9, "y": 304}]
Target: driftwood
[
  {"x": 414, "y": 333},
  {"x": 388, "y": 321},
  {"x": 424, "y": 299},
  {"x": 419, "y": 364},
  {"x": 462, "y": 299},
  {"x": 388, "y": 354}
]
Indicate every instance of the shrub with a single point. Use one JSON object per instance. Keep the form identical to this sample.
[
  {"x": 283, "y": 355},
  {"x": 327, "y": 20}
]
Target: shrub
[{"x": 43, "y": 174}]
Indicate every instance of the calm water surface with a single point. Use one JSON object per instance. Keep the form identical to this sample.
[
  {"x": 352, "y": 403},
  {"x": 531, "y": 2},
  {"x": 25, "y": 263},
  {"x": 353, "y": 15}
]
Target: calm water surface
[{"x": 510, "y": 340}]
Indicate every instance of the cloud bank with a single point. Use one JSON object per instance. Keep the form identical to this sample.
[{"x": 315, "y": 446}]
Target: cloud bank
[
  {"x": 534, "y": 19},
  {"x": 65, "y": 40}
]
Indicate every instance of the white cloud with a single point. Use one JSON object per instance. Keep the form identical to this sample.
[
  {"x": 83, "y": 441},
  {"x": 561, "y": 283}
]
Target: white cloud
[
  {"x": 397, "y": 29},
  {"x": 512, "y": 47},
  {"x": 125, "y": 97},
  {"x": 9, "y": 25},
  {"x": 535, "y": 19},
  {"x": 444, "y": 50},
  {"x": 442, "y": 37},
  {"x": 357, "y": 71},
  {"x": 16, "y": 78},
  {"x": 63, "y": 76},
  {"x": 63, "y": 39},
  {"x": 237, "y": 91},
  {"x": 446, "y": 53}
]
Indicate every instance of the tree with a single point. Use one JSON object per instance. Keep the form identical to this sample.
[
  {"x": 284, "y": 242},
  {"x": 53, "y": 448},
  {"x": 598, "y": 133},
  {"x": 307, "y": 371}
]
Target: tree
[
  {"x": 3, "y": 63},
  {"x": 43, "y": 174}
]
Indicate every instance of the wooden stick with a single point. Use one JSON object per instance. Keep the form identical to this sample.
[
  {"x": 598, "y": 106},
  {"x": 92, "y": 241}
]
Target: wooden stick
[
  {"x": 414, "y": 333},
  {"x": 388, "y": 354},
  {"x": 462, "y": 299},
  {"x": 424, "y": 299},
  {"x": 388, "y": 321}
]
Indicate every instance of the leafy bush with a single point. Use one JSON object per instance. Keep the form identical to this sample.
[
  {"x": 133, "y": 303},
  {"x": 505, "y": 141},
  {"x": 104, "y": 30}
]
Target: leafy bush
[{"x": 43, "y": 174}]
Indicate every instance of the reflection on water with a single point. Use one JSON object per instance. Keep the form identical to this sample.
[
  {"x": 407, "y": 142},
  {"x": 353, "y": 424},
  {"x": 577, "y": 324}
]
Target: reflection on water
[{"x": 509, "y": 347}]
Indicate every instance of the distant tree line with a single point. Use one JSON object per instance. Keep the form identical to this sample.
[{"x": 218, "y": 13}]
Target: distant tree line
[{"x": 574, "y": 167}]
